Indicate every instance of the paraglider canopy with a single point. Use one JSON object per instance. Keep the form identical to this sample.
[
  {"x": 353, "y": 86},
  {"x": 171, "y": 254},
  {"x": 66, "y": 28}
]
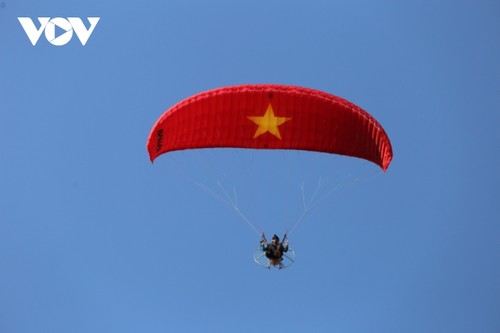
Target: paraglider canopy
[{"x": 270, "y": 116}]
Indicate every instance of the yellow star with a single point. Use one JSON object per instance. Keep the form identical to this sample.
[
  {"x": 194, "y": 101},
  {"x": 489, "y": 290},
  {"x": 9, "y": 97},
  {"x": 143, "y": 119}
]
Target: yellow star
[{"x": 268, "y": 123}]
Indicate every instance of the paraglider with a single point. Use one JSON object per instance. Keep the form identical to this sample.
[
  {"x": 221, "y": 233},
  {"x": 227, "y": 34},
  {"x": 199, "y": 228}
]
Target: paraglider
[
  {"x": 275, "y": 251},
  {"x": 268, "y": 116},
  {"x": 271, "y": 116}
]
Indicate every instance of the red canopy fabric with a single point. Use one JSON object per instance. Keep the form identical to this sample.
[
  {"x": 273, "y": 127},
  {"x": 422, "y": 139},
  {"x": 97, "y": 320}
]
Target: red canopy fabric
[{"x": 270, "y": 116}]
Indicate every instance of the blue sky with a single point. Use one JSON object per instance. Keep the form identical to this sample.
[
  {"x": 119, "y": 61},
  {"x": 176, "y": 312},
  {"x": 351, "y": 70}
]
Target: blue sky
[{"x": 95, "y": 238}]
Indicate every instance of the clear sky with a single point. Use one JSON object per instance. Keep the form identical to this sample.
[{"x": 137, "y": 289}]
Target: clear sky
[{"x": 95, "y": 238}]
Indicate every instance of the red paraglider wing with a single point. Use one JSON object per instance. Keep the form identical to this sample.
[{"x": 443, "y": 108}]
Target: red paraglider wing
[{"x": 268, "y": 116}]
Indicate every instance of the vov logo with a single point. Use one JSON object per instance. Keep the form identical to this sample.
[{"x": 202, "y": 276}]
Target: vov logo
[{"x": 66, "y": 26}]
